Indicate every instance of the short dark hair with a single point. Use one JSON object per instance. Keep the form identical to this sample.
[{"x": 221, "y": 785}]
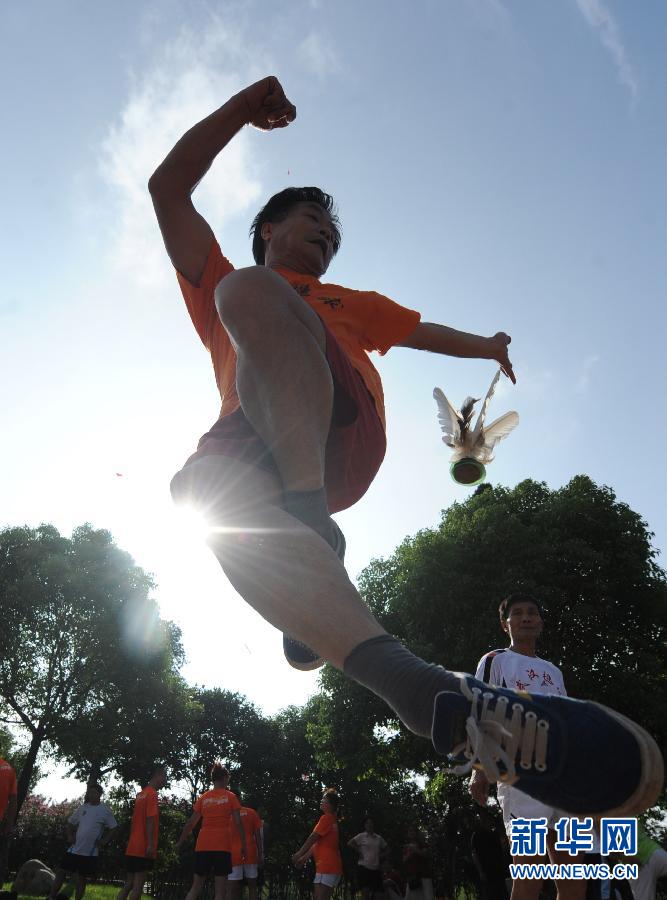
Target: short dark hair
[
  {"x": 332, "y": 798},
  {"x": 512, "y": 599},
  {"x": 99, "y": 790},
  {"x": 218, "y": 771},
  {"x": 279, "y": 207}
]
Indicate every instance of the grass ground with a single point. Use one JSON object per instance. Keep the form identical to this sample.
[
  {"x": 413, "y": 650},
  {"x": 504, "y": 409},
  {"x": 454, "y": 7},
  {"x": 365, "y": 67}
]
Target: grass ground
[{"x": 93, "y": 892}]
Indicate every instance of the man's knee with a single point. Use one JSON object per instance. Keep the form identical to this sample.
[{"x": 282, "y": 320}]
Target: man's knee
[{"x": 242, "y": 296}]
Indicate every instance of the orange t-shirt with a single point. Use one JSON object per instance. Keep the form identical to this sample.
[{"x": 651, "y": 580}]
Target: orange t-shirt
[
  {"x": 216, "y": 807},
  {"x": 251, "y": 824},
  {"x": 360, "y": 321},
  {"x": 327, "y": 850},
  {"x": 145, "y": 807},
  {"x": 7, "y": 786}
]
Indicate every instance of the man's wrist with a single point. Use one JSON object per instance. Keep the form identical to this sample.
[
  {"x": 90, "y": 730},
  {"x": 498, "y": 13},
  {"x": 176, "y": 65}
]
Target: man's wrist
[
  {"x": 238, "y": 107},
  {"x": 487, "y": 348}
]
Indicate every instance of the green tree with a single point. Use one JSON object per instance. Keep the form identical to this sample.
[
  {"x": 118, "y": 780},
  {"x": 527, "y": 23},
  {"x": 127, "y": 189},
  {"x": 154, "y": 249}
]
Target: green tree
[
  {"x": 82, "y": 645},
  {"x": 584, "y": 555},
  {"x": 223, "y": 726}
]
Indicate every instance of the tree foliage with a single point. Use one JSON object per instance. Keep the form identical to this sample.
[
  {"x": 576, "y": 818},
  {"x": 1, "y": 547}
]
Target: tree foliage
[{"x": 82, "y": 647}]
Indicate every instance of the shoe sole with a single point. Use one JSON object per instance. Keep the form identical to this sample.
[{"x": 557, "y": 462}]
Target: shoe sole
[
  {"x": 304, "y": 666},
  {"x": 653, "y": 769},
  {"x": 318, "y": 661}
]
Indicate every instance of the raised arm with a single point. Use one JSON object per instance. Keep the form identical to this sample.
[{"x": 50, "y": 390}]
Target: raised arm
[
  {"x": 449, "y": 341},
  {"x": 187, "y": 235}
]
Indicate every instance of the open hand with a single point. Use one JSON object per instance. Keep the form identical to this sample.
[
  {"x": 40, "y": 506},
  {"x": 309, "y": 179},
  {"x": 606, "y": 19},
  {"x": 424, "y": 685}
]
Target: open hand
[
  {"x": 498, "y": 345},
  {"x": 267, "y": 105}
]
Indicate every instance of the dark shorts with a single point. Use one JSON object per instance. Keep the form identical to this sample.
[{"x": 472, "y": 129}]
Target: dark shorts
[
  {"x": 139, "y": 863},
  {"x": 355, "y": 447},
  {"x": 369, "y": 878},
  {"x": 84, "y": 865},
  {"x": 218, "y": 860}
]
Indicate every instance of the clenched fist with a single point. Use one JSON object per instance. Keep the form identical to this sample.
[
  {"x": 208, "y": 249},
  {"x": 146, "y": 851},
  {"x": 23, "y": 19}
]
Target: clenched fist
[{"x": 267, "y": 106}]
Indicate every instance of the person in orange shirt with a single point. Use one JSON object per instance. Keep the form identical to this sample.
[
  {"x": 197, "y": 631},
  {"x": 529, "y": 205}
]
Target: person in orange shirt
[
  {"x": 324, "y": 845},
  {"x": 218, "y": 810},
  {"x": 142, "y": 847},
  {"x": 246, "y": 867},
  {"x": 8, "y": 790},
  {"x": 301, "y": 435}
]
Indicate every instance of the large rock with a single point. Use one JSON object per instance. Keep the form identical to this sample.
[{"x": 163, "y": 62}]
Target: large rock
[{"x": 33, "y": 878}]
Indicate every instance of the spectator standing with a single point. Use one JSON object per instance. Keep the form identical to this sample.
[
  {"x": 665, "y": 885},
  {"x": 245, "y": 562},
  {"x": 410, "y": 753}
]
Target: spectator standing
[
  {"x": 417, "y": 866},
  {"x": 7, "y": 813},
  {"x": 372, "y": 849},
  {"x": 89, "y": 827},
  {"x": 142, "y": 846}
]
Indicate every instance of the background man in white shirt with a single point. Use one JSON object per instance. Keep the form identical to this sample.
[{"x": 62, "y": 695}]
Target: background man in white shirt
[
  {"x": 372, "y": 849},
  {"x": 90, "y": 827},
  {"x": 519, "y": 668}
]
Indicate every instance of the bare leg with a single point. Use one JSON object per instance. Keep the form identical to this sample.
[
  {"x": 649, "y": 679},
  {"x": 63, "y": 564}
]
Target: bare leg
[
  {"x": 278, "y": 565},
  {"x": 285, "y": 570},
  {"x": 567, "y": 889},
  {"x": 221, "y": 887},
  {"x": 527, "y": 888},
  {"x": 80, "y": 886},
  {"x": 252, "y": 889},
  {"x": 58, "y": 883},
  {"x": 124, "y": 892},
  {"x": 322, "y": 891},
  {"x": 138, "y": 881},
  {"x": 197, "y": 885},
  {"x": 282, "y": 375}
]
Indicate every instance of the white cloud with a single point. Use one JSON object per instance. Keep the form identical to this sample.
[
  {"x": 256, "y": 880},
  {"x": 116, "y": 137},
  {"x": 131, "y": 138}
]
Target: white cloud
[
  {"x": 191, "y": 77},
  {"x": 317, "y": 56},
  {"x": 601, "y": 20}
]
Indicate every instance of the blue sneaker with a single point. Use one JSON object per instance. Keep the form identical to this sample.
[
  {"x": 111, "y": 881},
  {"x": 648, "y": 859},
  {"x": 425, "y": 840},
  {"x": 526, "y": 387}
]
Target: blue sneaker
[
  {"x": 578, "y": 756},
  {"x": 298, "y": 654}
]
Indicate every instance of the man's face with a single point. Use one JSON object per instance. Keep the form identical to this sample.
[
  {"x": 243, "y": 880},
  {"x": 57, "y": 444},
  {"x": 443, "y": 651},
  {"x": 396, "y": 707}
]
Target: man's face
[
  {"x": 92, "y": 795},
  {"x": 160, "y": 779},
  {"x": 302, "y": 242},
  {"x": 523, "y": 621}
]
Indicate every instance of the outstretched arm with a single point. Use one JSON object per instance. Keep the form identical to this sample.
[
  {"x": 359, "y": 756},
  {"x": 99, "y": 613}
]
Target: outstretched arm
[
  {"x": 187, "y": 235},
  {"x": 442, "y": 339}
]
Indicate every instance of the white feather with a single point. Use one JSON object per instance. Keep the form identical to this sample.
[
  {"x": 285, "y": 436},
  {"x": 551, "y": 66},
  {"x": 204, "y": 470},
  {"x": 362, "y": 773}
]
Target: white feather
[
  {"x": 496, "y": 432},
  {"x": 449, "y": 418},
  {"x": 479, "y": 424},
  {"x": 481, "y": 442}
]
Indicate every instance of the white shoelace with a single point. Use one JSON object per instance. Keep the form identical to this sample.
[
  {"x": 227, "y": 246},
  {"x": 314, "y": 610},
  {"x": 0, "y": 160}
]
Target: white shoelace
[{"x": 494, "y": 738}]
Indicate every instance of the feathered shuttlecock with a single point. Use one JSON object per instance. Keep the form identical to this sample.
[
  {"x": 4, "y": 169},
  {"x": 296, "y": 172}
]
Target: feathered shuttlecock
[{"x": 473, "y": 449}]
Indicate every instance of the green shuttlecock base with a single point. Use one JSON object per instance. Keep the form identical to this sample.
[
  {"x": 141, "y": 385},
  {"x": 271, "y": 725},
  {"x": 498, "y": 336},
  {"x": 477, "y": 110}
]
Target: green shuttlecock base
[{"x": 467, "y": 471}]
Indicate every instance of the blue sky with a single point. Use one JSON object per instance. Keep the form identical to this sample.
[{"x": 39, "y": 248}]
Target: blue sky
[{"x": 497, "y": 165}]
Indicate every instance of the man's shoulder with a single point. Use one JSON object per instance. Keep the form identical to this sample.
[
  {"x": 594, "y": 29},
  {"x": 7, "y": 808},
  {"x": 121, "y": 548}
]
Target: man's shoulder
[
  {"x": 547, "y": 662},
  {"x": 488, "y": 658},
  {"x": 492, "y": 653}
]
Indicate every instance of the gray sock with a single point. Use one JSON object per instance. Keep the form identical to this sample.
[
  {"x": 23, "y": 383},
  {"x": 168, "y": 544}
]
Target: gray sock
[
  {"x": 310, "y": 507},
  {"x": 407, "y": 683}
]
